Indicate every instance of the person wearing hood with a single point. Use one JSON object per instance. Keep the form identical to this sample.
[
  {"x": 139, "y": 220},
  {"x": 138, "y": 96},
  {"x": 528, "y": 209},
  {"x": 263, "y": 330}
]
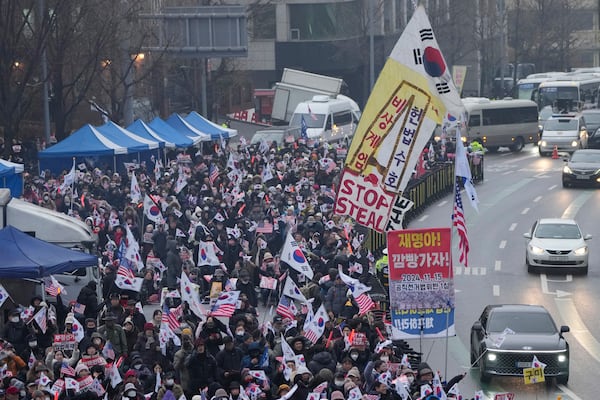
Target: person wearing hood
[
  {"x": 88, "y": 297},
  {"x": 303, "y": 379},
  {"x": 169, "y": 384},
  {"x": 246, "y": 286},
  {"x": 228, "y": 362},
  {"x": 336, "y": 298},
  {"x": 322, "y": 359},
  {"x": 212, "y": 333},
  {"x": 173, "y": 264},
  {"x": 15, "y": 332}
]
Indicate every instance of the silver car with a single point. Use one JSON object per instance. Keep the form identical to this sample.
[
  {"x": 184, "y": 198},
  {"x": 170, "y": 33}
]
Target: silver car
[{"x": 556, "y": 243}]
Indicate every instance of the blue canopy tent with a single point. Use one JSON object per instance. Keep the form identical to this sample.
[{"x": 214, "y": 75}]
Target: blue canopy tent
[
  {"x": 11, "y": 177},
  {"x": 24, "y": 256},
  {"x": 169, "y": 139},
  {"x": 182, "y": 126},
  {"x": 86, "y": 144},
  {"x": 165, "y": 130},
  {"x": 216, "y": 132}
]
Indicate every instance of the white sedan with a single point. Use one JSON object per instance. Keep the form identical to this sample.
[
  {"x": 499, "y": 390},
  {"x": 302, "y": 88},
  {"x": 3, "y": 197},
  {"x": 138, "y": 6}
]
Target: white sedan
[{"x": 556, "y": 243}]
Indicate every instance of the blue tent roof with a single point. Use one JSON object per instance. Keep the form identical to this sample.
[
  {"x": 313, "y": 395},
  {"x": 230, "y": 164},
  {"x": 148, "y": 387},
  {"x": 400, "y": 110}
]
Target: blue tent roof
[
  {"x": 141, "y": 129},
  {"x": 125, "y": 138},
  {"x": 184, "y": 127},
  {"x": 84, "y": 142},
  {"x": 202, "y": 124},
  {"x": 166, "y": 131},
  {"x": 24, "y": 256},
  {"x": 11, "y": 177}
]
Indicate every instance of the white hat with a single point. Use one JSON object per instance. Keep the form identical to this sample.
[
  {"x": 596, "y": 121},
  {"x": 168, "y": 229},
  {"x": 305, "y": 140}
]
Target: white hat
[{"x": 384, "y": 251}]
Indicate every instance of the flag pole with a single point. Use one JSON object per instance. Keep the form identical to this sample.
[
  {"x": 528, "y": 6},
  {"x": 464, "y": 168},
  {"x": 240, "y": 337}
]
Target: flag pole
[{"x": 73, "y": 186}]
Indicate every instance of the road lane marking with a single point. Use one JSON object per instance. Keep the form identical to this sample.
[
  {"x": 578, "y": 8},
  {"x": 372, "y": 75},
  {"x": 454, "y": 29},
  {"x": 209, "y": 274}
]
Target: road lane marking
[
  {"x": 525, "y": 211},
  {"x": 572, "y": 396},
  {"x": 512, "y": 226},
  {"x": 559, "y": 293},
  {"x": 496, "y": 290},
  {"x": 537, "y": 199},
  {"x": 442, "y": 203},
  {"x": 497, "y": 265},
  {"x": 483, "y": 271},
  {"x": 576, "y": 205},
  {"x": 570, "y": 316},
  {"x": 552, "y": 187},
  {"x": 502, "y": 244},
  {"x": 423, "y": 218}
]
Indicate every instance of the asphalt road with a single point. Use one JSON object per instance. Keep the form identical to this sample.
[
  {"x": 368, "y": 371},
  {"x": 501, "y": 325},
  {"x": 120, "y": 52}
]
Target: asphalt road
[{"x": 519, "y": 188}]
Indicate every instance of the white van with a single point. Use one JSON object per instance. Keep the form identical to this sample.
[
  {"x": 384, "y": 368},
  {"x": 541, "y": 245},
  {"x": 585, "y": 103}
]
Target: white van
[{"x": 327, "y": 119}]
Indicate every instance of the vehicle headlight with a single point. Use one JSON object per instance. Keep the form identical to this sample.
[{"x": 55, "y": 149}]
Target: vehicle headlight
[
  {"x": 491, "y": 356},
  {"x": 574, "y": 143},
  {"x": 543, "y": 143},
  {"x": 562, "y": 358},
  {"x": 536, "y": 250},
  {"x": 567, "y": 170},
  {"x": 582, "y": 251}
]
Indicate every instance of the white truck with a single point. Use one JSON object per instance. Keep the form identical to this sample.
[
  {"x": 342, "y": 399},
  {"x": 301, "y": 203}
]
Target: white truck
[
  {"x": 299, "y": 86},
  {"x": 52, "y": 227}
]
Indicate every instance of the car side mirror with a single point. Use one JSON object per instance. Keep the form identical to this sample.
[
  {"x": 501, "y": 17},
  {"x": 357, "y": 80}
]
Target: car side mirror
[
  {"x": 527, "y": 235},
  {"x": 477, "y": 327},
  {"x": 587, "y": 237},
  {"x": 564, "y": 329}
]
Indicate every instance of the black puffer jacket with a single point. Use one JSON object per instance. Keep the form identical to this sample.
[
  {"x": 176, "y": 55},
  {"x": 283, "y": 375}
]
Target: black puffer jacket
[
  {"x": 173, "y": 264},
  {"x": 322, "y": 360},
  {"x": 89, "y": 298}
]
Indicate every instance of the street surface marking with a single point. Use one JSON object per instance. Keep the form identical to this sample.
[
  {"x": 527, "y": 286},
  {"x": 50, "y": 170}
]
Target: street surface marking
[
  {"x": 559, "y": 293},
  {"x": 483, "y": 271},
  {"x": 570, "y": 316},
  {"x": 423, "y": 218},
  {"x": 574, "y": 207},
  {"x": 442, "y": 203},
  {"x": 572, "y": 396},
  {"x": 502, "y": 244},
  {"x": 552, "y": 187},
  {"x": 512, "y": 226},
  {"x": 496, "y": 290},
  {"x": 537, "y": 199},
  {"x": 525, "y": 211},
  {"x": 497, "y": 265}
]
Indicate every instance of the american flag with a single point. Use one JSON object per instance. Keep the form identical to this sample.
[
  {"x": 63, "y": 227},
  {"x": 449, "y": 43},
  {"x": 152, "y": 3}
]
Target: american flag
[
  {"x": 213, "y": 173},
  {"x": 458, "y": 220},
  {"x": 226, "y": 304},
  {"x": 303, "y": 128},
  {"x": 365, "y": 303},
  {"x": 66, "y": 369},
  {"x": 265, "y": 227},
  {"x": 108, "y": 351},
  {"x": 171, "y": 317},
  {"x": 126, "y": 272},
  {"x": 284, "y": 308},
  {"x": 52, "y": 286}
]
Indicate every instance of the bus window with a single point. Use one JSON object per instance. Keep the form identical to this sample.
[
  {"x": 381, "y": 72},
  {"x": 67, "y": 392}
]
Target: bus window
[{"x": 475, "y": 120}]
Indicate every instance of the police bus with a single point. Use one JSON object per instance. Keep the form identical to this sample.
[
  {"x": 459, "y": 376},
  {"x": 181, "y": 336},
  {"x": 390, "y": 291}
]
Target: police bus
[
  {"x": 501, "y": 123},
  {"x": 526, "y": 86}
]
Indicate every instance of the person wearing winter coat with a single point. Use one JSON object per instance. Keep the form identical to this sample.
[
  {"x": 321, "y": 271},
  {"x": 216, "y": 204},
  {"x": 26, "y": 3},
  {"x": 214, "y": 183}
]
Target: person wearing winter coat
[
  {"x": 201, "y": 366},
  {"x": 336, "y": 298},
  {"x": 229, "y": 361},
  {"x": 322, "y": 360},
  {"x": 173, "y": 264},
  {"x": 89, "y": 298},
  {"x": 148, "y": 345},
  {"x": 15, "y": 332}
]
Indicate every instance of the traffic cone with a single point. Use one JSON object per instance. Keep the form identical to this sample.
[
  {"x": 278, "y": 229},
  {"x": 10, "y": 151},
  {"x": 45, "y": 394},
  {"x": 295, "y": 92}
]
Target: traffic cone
[{"x": 555, "y": 153}]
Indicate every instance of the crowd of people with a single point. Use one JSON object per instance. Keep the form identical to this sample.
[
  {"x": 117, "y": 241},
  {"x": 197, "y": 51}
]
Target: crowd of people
[{"x": 242, "y": 202}]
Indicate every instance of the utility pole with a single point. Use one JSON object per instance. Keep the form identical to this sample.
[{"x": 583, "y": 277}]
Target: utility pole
[
  {"x": 501, "y": 16},
  {"x": 45, "y": 83}
]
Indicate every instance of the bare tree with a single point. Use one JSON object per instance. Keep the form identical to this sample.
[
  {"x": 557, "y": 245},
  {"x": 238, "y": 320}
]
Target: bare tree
[{"x": 22, "y": 35}]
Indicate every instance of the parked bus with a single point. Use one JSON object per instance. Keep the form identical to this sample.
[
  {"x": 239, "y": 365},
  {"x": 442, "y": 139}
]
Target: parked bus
[
  {"x": 526, "y": 86},
  {"x": 501, "y": 123},
  {"x": 579, "y": 89}
]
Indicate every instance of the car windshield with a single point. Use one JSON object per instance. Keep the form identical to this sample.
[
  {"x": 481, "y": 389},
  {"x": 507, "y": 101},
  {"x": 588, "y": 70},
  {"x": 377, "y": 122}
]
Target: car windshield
[
  {"x": 545, "y": 113},
  {"x": 521, "y": 322},
  {"x": 585, "y": 157},
  {"x": 561, "y": 124},
  {"x": 312, "y": 120},
  {"x": 268, "y": 137},
  {"x": 592, "y": 121},
  {"x": 557, "y": 231}
]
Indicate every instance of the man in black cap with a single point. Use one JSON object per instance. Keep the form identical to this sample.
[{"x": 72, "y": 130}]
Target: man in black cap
[
  {"x": 113, "y": 332},
  {"x": 114, "y": 306},
  {"x": 137, "y": 318}
]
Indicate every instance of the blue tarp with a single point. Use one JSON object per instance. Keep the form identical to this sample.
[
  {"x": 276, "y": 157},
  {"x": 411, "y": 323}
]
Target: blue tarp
[
  {"x": 184, "y": 127},
  {"x": 162, "y": 130},
  {"x": 215, "y": 131},
  {"x": 11, "y": 177},
  {"x": 24, "y": 256}
]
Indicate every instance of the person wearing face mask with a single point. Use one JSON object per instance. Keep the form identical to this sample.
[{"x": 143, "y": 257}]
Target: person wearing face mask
[
  {"x": 113, "y": 332},
  {"x": 15, "y": 332},
  {"x": 246, "y": 286},
  {"x": 168, "y": 383},
  {"x": 47, "y": 202}
]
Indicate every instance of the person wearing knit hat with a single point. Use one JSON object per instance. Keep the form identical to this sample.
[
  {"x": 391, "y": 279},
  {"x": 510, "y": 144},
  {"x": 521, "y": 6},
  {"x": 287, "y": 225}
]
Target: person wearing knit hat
[
  {"x": 283, "y": 389},
  {"x": 81, "y": 370},
  {"x": 220, "y": 394},
  {"x": 337, "y": 395}
]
